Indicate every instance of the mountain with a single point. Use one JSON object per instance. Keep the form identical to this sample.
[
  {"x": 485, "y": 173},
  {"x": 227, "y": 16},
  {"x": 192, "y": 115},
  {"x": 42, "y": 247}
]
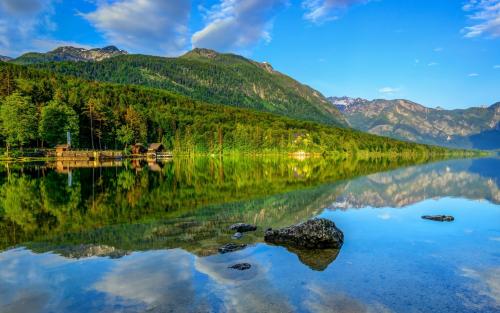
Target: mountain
[
  {"x": 211, "y": 77},
  {"x": 69, "y": 54},
  {"x": 5, "y": 58},
  {"x": 343, "y": 103},
  {"x": 104, "y": 115},
  {"x": 477, "y": 127}
]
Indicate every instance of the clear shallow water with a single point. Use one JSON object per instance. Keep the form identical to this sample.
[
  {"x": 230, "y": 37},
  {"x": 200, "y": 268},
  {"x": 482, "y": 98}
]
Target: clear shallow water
[{"x": 125, "y": 240}]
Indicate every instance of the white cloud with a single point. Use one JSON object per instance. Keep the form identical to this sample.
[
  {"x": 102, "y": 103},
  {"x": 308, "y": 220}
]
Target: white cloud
[
  {"x": 319, "y": 11},
  {"x": 473, "y": 75},
  {"x": 438, "y": 49},
  {"x": 384, "y": 216},
  {"x": 21, "y": 21},
  {"x": 159, "y": 279},
  {"x": 433, "y": 64},
  {"x": 237, "y": 24},
  {"x": 388, "y": 90},
  {"x": 485, "y": 17},
  {"x": 148, "y": 26},
  {"x": 47, "y": 44},
  {"x": 496, "y": 67}
]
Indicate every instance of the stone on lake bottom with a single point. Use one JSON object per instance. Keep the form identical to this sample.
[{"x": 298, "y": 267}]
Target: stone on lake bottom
[
  {"x": 242, "y": 227},
  {"x": 439, "y": 218},
  {"x": 231, "y": 247},
  {"x": 237, "y": 236},
  {"x": 241, "y": 266}
]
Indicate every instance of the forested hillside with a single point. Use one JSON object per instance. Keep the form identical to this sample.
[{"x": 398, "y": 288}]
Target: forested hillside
[
  {"x": 37, "y": 108},
  {"x": 211, "y": 77}
]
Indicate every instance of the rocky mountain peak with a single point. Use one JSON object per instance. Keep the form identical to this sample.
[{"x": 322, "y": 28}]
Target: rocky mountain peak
[
  {"x": 69, "y": 53},
  {"x": 343, "y": 103},
  {"x": 202, "y": 52},
  {"x": 267, "y": 66}
]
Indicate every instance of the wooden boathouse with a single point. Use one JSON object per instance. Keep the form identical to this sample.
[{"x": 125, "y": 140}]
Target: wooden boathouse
[{"x": 157, "y": 151}]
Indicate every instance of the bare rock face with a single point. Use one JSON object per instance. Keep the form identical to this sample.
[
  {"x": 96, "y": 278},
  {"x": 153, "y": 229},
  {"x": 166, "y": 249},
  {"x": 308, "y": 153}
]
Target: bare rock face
[
  {"x": 81, "y": 54},
  {"x": 314, "y": 234},
  {"x": 439, "y": 218}
]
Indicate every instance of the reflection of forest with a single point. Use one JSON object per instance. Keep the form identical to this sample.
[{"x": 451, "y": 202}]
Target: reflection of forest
[
  {"x": 411, "y": 185},
  {"x": 187, "y": 203}
]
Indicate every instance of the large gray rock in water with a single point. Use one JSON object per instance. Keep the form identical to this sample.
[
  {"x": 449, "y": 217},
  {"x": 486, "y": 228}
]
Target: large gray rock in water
[{"x": 317, "y": 233}]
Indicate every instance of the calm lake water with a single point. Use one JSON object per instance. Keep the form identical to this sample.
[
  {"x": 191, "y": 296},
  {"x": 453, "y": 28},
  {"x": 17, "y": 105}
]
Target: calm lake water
[{"x": 144, "y": 237}]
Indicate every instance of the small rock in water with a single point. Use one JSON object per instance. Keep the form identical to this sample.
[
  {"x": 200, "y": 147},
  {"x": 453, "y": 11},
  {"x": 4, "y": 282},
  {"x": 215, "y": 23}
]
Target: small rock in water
[
  {"x": 242, "y": 227},
  {"x": 231, "y": 247},
  {"x": 439, "y": 218},
  {"x": 317, "y": 233},
  {"x": 241, "y": 266},
  {"x": 237, "y": 236}
]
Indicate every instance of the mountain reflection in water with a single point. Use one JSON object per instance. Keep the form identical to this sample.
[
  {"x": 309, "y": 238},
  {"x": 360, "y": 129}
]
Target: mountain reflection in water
[{"x": 145, "y": 238}]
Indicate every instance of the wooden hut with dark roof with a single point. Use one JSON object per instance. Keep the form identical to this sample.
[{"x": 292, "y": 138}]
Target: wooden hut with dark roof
[{"x": 138, "y": 149}]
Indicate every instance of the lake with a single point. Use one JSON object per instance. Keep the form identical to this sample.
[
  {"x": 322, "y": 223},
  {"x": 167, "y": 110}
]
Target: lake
[{"x": 139, "y": 237}]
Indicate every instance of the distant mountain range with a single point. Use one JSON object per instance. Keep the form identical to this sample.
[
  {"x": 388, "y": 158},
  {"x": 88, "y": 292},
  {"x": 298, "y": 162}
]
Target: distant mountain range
[
  {"x": 4, "y": 58},
  {"x": 69, "y": 54},
  {"x": 200, "y": 74},
  {"x": 477, "y": 127},
  {"x": 233, "y": 80}
]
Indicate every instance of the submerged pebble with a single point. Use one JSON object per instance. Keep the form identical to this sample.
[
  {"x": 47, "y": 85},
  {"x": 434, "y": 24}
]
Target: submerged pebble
[
  {"x": 439, "y": 218},
  {"x": 241, "y": 266},
  {"x": 231, "y": 247},
  {"x": 237, "y": 235},
  {"x": 242, "y": 227}
]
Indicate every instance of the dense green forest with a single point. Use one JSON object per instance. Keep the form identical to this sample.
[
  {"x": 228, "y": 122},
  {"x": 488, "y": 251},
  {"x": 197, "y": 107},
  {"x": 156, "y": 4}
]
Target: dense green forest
[
  {"x": 38, "y": 107},
  {"x": 207, "y": 76}
]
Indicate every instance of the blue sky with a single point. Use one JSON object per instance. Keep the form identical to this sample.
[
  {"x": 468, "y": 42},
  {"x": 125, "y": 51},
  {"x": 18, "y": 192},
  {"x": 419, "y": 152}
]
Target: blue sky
[{"x": 435, "y": 52}]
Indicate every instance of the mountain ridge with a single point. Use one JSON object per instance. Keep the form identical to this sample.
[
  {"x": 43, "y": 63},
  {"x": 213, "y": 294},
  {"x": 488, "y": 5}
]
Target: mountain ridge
[
  {"x": 69, "y": 53},
  {"x": 475, "y": 127},
  {"x": 210, "y": 76}
]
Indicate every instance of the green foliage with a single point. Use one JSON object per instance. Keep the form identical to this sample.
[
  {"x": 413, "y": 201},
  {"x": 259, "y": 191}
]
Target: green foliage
[
  {"x": 125, "y": 135},
  {"x": 56, "y": 119},
  {"x": 111, "y": 115},
  {"x": 210, "y": 77},
  {"x": 19, "y": 120}
]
